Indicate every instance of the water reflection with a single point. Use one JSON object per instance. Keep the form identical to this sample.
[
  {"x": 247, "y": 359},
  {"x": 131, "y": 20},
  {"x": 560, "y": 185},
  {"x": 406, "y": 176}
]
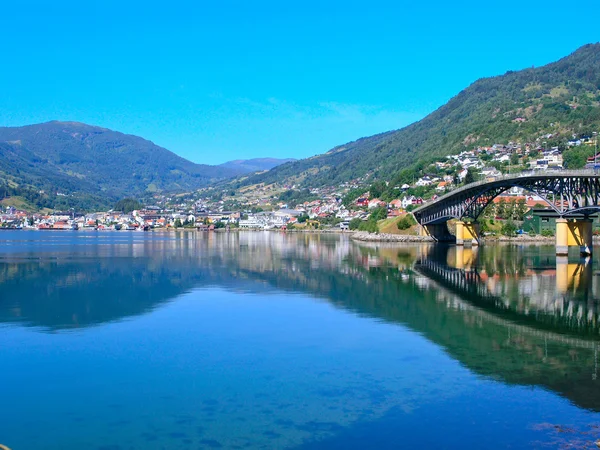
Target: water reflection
[
  {"x": 529, "y": 286},
  {"x": 516, "y": 314}
]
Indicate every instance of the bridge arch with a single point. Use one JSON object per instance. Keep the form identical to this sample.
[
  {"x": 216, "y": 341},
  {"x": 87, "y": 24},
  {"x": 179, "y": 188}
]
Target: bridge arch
[{"x": 566, "y": 192}]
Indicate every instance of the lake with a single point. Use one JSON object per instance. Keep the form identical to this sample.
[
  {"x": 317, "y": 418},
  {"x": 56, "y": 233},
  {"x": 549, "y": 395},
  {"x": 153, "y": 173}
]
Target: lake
[{"x": 126, "y": 340}]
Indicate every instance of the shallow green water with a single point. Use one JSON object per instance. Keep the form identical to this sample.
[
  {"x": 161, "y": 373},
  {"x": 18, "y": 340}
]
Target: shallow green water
[{"x": 266, "y": 340}]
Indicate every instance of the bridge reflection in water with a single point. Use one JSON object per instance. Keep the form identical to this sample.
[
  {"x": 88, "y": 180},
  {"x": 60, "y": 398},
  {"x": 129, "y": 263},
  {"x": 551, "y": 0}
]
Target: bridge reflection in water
[
  {"x": 524, "y": 291},
  {"x": 528, "y": 319}
]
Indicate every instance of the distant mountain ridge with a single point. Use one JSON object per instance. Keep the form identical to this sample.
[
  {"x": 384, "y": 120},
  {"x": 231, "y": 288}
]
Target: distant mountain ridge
[
  {"x": 91, "y": 161},
  {"x": 103, "y": 165},
  {"x": 244, "y": 166},
  {"x": 561, "y": 98}
]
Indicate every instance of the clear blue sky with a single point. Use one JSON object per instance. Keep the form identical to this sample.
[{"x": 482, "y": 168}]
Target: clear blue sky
[{"x": 220, "y": 80}]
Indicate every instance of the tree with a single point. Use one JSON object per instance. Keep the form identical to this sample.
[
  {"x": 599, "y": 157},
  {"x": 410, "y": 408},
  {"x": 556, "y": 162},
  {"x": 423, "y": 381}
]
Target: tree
[
  {"x": 355, "y": 223},
  {"x": 510, "y": 209},
  {"x": 471, "y": 176},
  {"x": 509, "y": 228},
  {"x": 177, "y": 223},
  {"x": 378, "y": 213},
  {"x": 501, "y": 208},
  {"x": 576, "y": 157},
  {"x": 377, "y": 189},
  {"x": 520, "y": 209},
  {"x": 127, "y": 205},
  {"x": 369, "y": 225},
  {"x": 406, "y": 222}
]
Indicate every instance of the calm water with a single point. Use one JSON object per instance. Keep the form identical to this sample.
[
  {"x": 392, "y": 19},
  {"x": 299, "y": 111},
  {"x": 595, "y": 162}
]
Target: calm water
[{"x": 265, "y": 340}]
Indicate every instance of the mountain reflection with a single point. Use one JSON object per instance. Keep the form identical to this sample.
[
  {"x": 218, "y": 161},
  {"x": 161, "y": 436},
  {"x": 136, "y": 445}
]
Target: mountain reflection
[{"x": 517, "y": 314}]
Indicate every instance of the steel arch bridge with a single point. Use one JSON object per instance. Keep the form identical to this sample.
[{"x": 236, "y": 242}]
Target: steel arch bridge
[{"x": 566, "y": 192}]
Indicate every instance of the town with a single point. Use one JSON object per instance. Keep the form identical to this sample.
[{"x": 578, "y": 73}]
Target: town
[{"x": 343, "y": 207}]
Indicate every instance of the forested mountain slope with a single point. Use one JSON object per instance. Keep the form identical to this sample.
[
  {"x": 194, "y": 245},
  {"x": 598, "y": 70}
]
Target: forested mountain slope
[
  {"x": 561, "y": 99},
  {"x": 94, "y": 163}
]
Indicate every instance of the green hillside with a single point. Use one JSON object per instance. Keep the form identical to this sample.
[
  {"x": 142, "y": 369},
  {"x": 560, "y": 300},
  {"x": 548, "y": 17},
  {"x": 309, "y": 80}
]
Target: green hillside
[
  {"x": 561, "y": 99},
  {"x": 91, "y": 166}
]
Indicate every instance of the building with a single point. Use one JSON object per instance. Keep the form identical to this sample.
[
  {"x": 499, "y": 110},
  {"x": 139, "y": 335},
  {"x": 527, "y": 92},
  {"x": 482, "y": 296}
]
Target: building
[{"x": 543, "y": 221}]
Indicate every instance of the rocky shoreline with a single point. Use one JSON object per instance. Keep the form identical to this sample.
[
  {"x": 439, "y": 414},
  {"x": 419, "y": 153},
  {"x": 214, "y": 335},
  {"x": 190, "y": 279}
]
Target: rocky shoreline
[
  {"x": 520, "y": 238},
  {"x": 363, "y": 236}
]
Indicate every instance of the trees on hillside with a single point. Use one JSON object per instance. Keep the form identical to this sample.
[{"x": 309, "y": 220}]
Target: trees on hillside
[
  {"x": 472, "y": 176},
  {"x": 127, "y": 205},
  {"x": 508, "y": 209}
]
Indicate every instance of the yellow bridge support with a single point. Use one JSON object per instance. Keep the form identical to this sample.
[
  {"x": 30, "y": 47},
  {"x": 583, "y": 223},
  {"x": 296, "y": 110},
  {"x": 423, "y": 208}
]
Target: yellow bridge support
[
  {"x": 573, "y": 233},
  {"x": 467, "y": 233},
  {"x": 573, "y": 277},
  {"x": 462, "y": 258}
]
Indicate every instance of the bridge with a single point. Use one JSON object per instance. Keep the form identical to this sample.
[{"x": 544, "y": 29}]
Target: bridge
[{"x": 572, "y": 195}]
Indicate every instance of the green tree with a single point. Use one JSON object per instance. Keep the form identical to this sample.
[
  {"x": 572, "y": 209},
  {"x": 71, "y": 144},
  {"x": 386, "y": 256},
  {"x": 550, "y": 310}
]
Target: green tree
[
  {"x": 576, "y": 157},
  {"x": 377, "y": 189},
  {"x": 368, "y": 225},
  {"x": 406, "y": 222},
  {"x": 509, "y": 228},
  {"x": 177, "y": 223},
  {"x": 520, "y": 209},
  {"x": 127, "y": 205},
  {"x": 378, "y": 213},
  {"x": 501, "y": 208},
  {"x": 302, "y": 218},
  {"x": 510, "y": 209},
  {"x": 355, "y": 223},
  {"x": 472, "y": 176}
]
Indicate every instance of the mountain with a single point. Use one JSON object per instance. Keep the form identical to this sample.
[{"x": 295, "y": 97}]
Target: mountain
[
  {"x": 95, "y": 163},
  {"x": 243, "y": 166},
  {"x": 561, "y": 99}
]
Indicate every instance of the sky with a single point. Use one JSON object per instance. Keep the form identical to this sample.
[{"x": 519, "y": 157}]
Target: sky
[{"x": 223, "y": 80}]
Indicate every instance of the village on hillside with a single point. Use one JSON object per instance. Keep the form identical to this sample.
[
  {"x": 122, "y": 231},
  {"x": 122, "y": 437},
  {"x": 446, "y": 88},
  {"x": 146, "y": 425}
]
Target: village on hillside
[{"x": 342, "y": 207}]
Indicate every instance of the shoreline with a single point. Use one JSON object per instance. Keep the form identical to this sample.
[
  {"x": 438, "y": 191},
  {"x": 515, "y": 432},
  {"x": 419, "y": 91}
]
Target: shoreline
[{"x": 363, "y": 236}]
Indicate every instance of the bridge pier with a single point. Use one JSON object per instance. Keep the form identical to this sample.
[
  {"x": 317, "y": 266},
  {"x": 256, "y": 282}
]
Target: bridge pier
[
  {"x": 438, "y": 231},
  {"x": 467, "y": 233},
  {"x": 572, "y": 233}
]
